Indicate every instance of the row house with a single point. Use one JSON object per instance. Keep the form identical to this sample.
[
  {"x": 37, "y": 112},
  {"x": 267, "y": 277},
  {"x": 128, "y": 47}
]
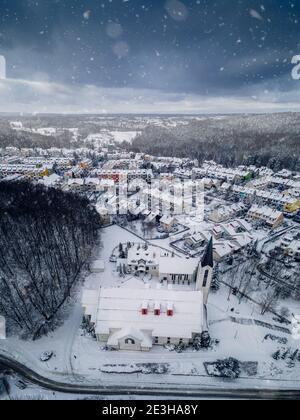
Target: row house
[{"x": 269, "y": 216}]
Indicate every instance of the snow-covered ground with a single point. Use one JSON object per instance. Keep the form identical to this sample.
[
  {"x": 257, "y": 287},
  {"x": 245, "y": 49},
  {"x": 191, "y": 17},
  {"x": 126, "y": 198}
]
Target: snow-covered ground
[
  {"x": 45, "y": 131},
  {"x": 107, "y": 137},
  {"x": 78, "y": 357},
  {"x": 244, "y": 341}
]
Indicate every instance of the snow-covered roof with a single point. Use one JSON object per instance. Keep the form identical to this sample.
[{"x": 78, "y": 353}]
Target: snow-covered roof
[
  {"x": 76, "y": 181},
  {"x": 167, "y": 220},
  {"x": 225, "y": 186},
  {"x": 196, "y": 238},
  {"x": 137, "y": 253},
  {"x": 92, "y": 181},
  {"x": 244, "y": 224},
  {"x": 175, "y": 265},
  {"x": 51, "y": 180},
  {"x": 242, "y": 239},
  {"x": 225, "y": 248},
  {"x": 120, "y": 308},
  {"x": 151, "y": 217},
  {"x": 266, "y": 212}
]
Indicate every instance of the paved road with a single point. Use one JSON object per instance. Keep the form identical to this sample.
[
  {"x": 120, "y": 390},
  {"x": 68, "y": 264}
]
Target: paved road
[
  {"x": 68, "y": 354},
  {"x": 154, "y": 391},
  {"x": 273, "y": 237}
]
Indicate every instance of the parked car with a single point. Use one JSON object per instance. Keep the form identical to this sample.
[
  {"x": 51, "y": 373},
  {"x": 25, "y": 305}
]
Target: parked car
[
  {"x": 20, "y": 384},
  {"x": 297, "y": 218},
  {"x": 46, "y": 356}
]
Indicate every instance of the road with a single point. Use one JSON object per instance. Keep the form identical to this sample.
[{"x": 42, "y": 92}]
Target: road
[
  {"x": 276, "y": 280},
  {"x": 146, "y": 390},
  {"x": 273, "y": 237},
  {"x": 76, "y": 321}
]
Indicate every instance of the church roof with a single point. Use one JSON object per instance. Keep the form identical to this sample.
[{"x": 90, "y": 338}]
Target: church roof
[
  {"x": 119, "y": 308},
  {"x": 208, "y": 257}
]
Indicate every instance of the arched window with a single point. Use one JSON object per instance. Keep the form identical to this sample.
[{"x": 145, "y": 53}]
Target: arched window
[
  {"x": 205, "y": 280},
  {"x": 130, "y": 341}
]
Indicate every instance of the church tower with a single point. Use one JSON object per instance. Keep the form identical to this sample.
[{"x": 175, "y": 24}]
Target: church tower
[{"x": 205, "y": 272}]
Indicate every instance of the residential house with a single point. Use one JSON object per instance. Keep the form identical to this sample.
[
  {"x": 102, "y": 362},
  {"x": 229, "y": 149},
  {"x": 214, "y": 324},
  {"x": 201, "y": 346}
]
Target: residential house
[
  {"x": 291, "y": 247},
  {"x": 195, "y": 241},
  {"x": 269, "y": 216},
  {"x": 167, "y": 223}
]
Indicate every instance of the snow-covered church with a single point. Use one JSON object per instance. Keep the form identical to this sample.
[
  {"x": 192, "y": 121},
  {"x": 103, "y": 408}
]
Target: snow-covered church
[{"x": 138, "y": 317}]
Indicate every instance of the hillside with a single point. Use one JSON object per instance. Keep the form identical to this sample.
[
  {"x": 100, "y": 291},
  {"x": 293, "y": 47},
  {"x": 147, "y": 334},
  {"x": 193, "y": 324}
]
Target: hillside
[{"x": 272, "y": 140}]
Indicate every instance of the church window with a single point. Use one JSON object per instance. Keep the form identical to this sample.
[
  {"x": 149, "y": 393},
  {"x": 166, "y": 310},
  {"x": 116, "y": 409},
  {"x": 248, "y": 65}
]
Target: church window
[{"x": 205, "y": 280}]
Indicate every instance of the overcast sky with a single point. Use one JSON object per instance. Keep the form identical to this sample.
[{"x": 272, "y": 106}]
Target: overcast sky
[{"x": 168, "y": 56}]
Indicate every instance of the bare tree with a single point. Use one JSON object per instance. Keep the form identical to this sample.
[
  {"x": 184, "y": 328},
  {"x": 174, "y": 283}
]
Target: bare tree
[
  {"x": 269, "y": 301},
  {"x": 46, "y": 238}
]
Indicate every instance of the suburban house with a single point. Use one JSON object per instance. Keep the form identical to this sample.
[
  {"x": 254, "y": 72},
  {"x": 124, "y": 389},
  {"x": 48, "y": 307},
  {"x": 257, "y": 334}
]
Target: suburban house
[
  {"x": 269, "y": 216},
  {"x": 167, "y": 223},
  {"x": 293, "y": 206},
  {"x": 225, "y": 213},
  {"x": 138, "y": 318},
  {"x": 195, "y": 241},
  {"x": 52, "y": 180},
  {"x": 291, "y": 247}
]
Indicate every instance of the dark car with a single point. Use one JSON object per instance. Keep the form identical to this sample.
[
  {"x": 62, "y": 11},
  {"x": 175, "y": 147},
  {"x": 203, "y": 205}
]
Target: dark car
[{"x": 297, "y": 218}]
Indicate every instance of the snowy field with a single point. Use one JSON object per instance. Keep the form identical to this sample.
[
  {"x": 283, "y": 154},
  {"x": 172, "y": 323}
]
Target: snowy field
[
  {"x": 79, "y": 358},
  {"x": 107, "y": 137}
]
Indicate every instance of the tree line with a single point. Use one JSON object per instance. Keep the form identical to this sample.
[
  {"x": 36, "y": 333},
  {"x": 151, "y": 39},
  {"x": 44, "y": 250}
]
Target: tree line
[{"x": 261, "y": 140}]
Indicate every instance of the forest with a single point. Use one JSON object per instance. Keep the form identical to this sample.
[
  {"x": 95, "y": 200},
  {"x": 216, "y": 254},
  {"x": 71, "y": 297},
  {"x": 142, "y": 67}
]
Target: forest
[
  {"x": 46, "y": 240},
  {"x": 23, "y": 139},
  {"x": 271, "y": 140}
]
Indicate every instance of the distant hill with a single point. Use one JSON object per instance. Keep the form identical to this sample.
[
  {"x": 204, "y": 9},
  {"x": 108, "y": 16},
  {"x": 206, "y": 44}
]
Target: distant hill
[
  {"x": 265, "y": 139},
  {"x": 270, "y": 140}
]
